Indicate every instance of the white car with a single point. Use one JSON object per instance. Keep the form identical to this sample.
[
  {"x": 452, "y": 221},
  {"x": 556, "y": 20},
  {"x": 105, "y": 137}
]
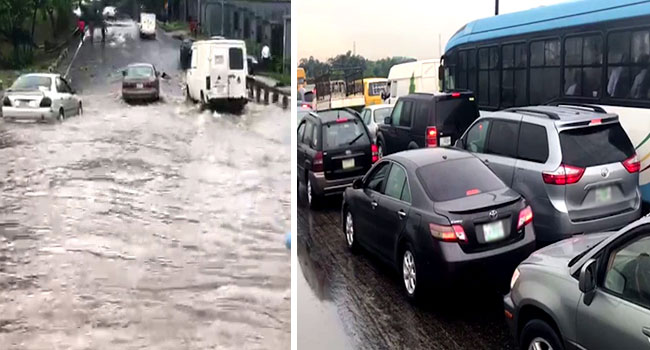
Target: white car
[
  {"x": 374, "y": 115},
  {"x": 109, "y": 12},
  {"x": 40, "y": 97}
]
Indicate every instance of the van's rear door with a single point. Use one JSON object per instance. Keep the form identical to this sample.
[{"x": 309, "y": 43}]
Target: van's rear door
[
  {"x": 606, "y": 186},
  {"x": 454, "y": 113},
  {"x": 218, "y": 59},
  {"x": 346, "y": 148}
]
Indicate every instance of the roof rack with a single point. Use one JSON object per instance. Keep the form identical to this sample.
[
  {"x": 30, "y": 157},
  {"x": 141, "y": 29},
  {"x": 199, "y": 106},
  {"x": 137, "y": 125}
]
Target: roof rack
[
  {"x": 549, "y": 114},
  {"x": 577, "y": 105}
]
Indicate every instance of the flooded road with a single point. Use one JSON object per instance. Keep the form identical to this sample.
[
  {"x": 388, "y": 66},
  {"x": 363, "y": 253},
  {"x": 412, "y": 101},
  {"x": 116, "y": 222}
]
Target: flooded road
[
  {"x": 153, "y": 226},
  {"x": 356, "y": 301}
]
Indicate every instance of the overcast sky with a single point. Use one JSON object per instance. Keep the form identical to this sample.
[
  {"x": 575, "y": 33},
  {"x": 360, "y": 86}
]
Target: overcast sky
[{"x": 384, "y": 28}]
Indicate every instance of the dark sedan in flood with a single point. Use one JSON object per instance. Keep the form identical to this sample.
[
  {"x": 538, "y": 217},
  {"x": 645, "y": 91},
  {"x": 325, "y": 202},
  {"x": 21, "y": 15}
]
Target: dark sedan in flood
[
  {"x": 438, "y": 215},
  {"x": 140, "y": 82}
]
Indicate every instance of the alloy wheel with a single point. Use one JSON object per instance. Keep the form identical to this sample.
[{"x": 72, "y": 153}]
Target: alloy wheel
[
  {"x": 408, "y": 272},
  {"x": 539, "y": 344},
  {"x": 309, "y": 194},
  {"x": 349, "y": 229}
]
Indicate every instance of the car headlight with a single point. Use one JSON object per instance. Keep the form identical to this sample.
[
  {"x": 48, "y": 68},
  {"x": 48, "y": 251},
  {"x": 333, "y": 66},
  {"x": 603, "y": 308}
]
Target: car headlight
[{"x": 515, "y": 277}]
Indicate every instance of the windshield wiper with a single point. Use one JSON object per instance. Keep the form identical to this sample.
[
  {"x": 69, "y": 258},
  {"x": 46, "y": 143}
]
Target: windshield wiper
[{"x": 355, "y": 139}]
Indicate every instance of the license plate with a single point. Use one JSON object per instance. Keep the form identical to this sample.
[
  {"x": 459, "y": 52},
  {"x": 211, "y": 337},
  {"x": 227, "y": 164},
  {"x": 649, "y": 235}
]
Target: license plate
[
  {"x": 604, "y": 194},
  {"x": 139, "y": 85},
  {"x": 493, "y": 231},
  {"x": 445, "y": 141},
  {"x": 347, "y": 163}
]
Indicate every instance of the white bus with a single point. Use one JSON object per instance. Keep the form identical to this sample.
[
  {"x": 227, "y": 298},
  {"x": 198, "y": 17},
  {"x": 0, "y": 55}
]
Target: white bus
[
  {"x": 593, "y": 52},
  {"x": 217, "y": 73},
  {"x": 424, "y": 74}
]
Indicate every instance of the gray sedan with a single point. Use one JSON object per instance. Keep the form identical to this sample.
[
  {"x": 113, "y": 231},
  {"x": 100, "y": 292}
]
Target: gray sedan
[
  {"x": 586, "y": 292},
  {"x": 140, "y": 82}
]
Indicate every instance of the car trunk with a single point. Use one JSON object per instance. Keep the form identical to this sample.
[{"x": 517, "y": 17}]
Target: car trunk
[
  {"x": 346, "y": 149},
  {"x": 485, "y": 231},
  {"x": 139, "y": 83},
  {"x": 25, "y": 99},
  {"x": 453, "y": 115},
  {"x": 606, "y": 186}
]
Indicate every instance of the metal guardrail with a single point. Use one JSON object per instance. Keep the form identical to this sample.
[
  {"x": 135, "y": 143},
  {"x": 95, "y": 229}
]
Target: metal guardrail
[{"x": 260, "y": 92}]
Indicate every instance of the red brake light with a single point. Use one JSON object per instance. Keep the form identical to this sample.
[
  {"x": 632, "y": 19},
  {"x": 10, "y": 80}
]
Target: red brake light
[
  {"x": 317, "y": 164},
  {"x": 342, "y": 120},
  {"x": 432, "y": 136},
  {"x": 632, "y": 164},
  {"x": 596, "y": 121},
  {"x": 305, "y": 106},
  {"x": 455, "y": 94},
  {"x": 563, "y": 175},
  {"x": 472, "y": 192},
  {"x": 453, "y": 233},
  {"x": 525, "y": 217},
  {"x": 375, "y": 153}
]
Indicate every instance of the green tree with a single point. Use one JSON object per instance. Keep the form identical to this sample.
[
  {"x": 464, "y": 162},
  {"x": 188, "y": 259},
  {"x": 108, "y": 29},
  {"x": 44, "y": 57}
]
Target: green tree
[
  {"x": 13, "y": 15},
  {"x": 412, "y": 84}
]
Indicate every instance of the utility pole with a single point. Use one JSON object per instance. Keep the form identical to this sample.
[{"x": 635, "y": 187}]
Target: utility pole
[
  {"x": 440, "y": 44},
  {"x": 354, "y": 48},
  {"x": 496, "y": 7}
]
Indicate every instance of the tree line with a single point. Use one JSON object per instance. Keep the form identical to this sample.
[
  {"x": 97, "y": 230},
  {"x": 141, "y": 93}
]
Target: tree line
[{"x": 379, "y": 68}]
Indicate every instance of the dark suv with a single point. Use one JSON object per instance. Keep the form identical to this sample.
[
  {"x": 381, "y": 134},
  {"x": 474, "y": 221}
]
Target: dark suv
[
  {"x": 426, "y": 120},
  {"x": 334, "y": 149}
]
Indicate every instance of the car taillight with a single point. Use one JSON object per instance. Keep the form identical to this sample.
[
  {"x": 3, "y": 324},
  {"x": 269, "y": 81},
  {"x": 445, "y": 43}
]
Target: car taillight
[
  {"x": 455, "y": 94},
  {"x": 46, "y": 102},
  {"x": 6, "y": 102},
  {"x": 453, "y": 233},
  {"x": 432, "y": 136},
  {"x": 375, "y": 153},
  {"x": 564, "y": 175},
  {"x": 632, "y": 164},
  {"x": 525, "y": 217},
  {"x": 317, "y": 164}
]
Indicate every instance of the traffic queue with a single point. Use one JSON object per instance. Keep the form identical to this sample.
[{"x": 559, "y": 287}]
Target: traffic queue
[{"x": 453, "y": 198}]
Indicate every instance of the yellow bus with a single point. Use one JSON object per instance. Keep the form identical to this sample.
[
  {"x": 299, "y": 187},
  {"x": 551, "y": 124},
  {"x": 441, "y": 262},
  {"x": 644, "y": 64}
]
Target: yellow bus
[
  {"x": 301, "y": 78},
  {"x": 372, "y": 88}
]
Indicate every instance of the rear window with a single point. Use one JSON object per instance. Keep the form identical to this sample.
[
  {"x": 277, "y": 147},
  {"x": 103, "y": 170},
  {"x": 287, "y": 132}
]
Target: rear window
[
  {"x": 236, "y": 58},
  {"x": 337, "y": 135},
  {"x": 456, "y": 113},
  {"x": 139, "y": 72},
  {"x": 308, "y": 96},
  {"x": 457, "y": 179},
  {"x": 595, "y": 145},
  {"x": 381, "y": 114},
  {"x": 32, "y": 82}
]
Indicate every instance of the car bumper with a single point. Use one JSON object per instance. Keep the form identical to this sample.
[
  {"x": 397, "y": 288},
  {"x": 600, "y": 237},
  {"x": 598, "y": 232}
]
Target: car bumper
[
  {"x": 325, "y": 187},
  {"x": 449, "y": 263},
  {"x": 28, "y": 113},
  {"x": 134, "y": 94},
  {"x": 553, "y": 225},
  {"x": 215, "y": 97},
  {"x": 510, "y": 315}
]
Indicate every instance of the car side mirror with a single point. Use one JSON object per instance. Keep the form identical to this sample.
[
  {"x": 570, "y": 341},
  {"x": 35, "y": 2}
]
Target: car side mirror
[
  {"x": 387, "y": 120},
  {"x": 587, "y": 281},
  {"x": 357, "y": 184},
  {"x": 460, "y": 143}
]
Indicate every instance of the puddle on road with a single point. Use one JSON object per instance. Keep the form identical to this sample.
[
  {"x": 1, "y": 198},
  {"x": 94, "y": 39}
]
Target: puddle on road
[{"x": 154, "y": 226}]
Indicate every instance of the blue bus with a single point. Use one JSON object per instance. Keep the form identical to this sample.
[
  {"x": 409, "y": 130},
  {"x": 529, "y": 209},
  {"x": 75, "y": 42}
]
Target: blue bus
[{"x": 587, "y": 51}]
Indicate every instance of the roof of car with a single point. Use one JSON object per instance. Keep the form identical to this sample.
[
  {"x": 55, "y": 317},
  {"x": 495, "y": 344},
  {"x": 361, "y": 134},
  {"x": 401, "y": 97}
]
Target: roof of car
[
  {"x": 140, "y": 65},
  {"x": 427, "y": 156},
  {"x": 49, "y": 75},
  {"x": 430, "y": 96},
  {"x": 383, "y": 105},
  {"x": 563, "y": 113},
  {"x": 330, "y": 117}
]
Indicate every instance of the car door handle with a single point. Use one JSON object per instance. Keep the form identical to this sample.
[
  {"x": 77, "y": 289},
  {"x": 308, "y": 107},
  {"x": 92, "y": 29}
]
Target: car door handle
[
  {"x": 373, "y": 204},
  {"x": 401, "y": 213},
  {"x": 646, "y": 331}
]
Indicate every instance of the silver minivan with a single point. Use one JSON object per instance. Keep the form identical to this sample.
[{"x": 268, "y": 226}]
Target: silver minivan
[{"x": 575, "y": 165}]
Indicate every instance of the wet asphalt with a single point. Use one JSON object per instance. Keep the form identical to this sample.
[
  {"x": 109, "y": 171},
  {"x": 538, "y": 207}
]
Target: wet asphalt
[
  {"x": 149, "y": 226},
  {"x": 350, "y": 301}
]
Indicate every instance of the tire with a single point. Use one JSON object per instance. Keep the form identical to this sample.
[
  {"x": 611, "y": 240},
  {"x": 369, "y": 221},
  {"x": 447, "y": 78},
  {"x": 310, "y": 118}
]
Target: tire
[
  {"x": 80, "y": 110},
  {"x": 413, "y": 146},
  {"x": 187, "y": 94},
  {"x": 539, "y": 332},
  {"x": 409, "y": 272},
  {"x": 350, "y": 232},
  {"x": 312, "y": 199},
  {"x": 381, "y": 147},
  {"x": 61, "y": 115}
]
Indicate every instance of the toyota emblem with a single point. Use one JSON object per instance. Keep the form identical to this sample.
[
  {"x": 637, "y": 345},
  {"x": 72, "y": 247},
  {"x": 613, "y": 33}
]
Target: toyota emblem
[
  {"x": 604, "y": 172},
  {"x": 348, "y": 152},
  {"x": 493, "y": 214}
]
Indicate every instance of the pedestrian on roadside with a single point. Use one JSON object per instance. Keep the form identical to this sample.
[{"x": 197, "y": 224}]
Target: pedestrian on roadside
[
  {"x": 266, "y": 57},
  {"x": 81, "y": 26},
  {"x": 103, "y": 32},
  {"x": 192, "y": 26}
]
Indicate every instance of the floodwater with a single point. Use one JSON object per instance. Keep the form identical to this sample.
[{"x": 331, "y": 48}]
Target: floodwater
[{"x": 149, "y": 226}]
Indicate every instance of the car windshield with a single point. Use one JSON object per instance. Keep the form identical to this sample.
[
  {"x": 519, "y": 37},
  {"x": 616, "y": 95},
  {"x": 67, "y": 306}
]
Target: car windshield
[
  {"x": 595, "y": 145},
  {"x": 342, "y": 134},
  {"x": 32, "y": 82},
  {"x": 139, "y": 72},
  {"x": 459, "y": 178},
  {"x": 381, "y": 114}
]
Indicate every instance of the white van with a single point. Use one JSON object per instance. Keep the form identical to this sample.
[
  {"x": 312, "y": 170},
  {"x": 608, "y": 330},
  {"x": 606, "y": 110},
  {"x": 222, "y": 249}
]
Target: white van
[
  {"x": 147, "y": 25},
  {"x": 217, "y": 73},
  {"x": 424, "y": 73}
]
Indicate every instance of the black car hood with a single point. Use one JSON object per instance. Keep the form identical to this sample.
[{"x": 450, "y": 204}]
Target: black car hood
[
  {"x": 559, "y": 254},
  {"x": 478, "y": 201}
]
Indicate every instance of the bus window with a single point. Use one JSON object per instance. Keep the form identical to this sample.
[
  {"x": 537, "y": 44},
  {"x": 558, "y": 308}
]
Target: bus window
[
  {"x": 583, "y": 57},
  {"x": 544, "y": 81},
  {"x": 488, "y": 77},
  {"x": 629, "y": 61}
]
